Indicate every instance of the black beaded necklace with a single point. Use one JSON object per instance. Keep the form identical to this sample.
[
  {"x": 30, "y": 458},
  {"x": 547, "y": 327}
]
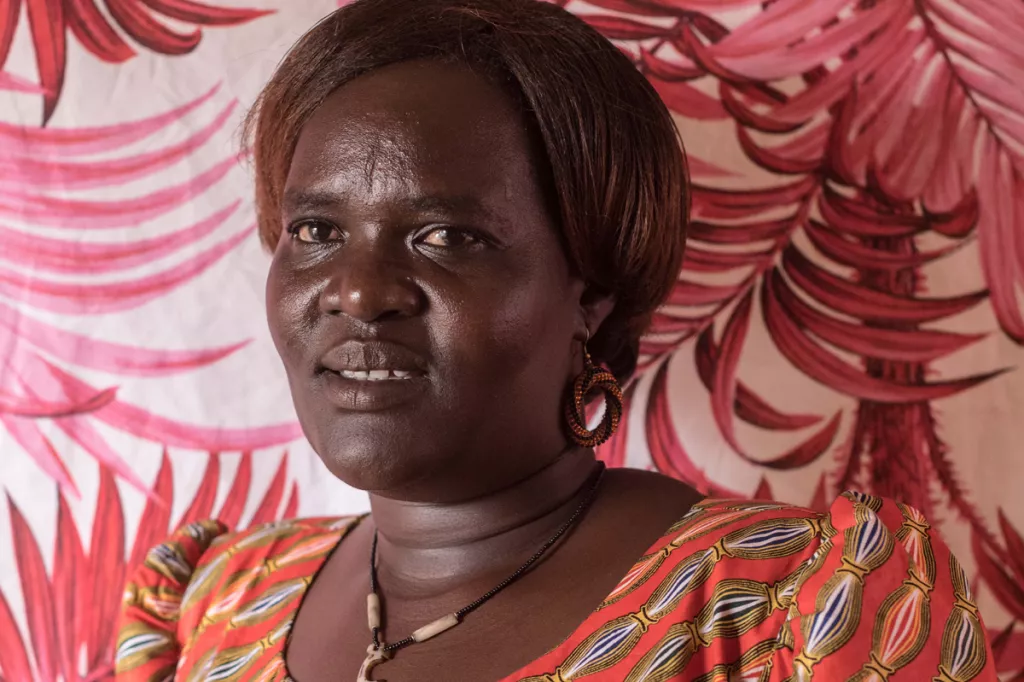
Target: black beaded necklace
[{"x": 380, "y": 651}]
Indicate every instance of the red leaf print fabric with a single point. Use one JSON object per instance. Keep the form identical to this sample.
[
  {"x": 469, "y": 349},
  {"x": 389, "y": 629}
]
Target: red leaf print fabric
[{"x": 848, "y": 316}]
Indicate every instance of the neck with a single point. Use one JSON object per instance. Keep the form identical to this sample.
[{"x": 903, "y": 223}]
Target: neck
[{"x": 430, "y": 547}]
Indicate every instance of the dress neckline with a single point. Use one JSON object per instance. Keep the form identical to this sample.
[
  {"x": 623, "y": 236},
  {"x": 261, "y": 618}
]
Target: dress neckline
[{"x": 280, "y": 654}]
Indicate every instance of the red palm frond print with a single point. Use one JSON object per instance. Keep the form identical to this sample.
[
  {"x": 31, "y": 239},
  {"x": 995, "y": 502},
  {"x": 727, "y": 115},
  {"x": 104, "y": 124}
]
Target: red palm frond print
[
  {"x": 885, "y": 138},
  {"x": 71, "y": 610},
  {"x": 876, "y": 142},
  {"x": 1001, "y": 568},
  {"x": 138, "y": 22},
  {"x": 56, "y": 178}
]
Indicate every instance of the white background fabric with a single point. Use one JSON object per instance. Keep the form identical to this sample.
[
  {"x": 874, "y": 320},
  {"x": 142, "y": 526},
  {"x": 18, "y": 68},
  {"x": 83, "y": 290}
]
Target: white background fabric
[{"x": 62, "y": 303}]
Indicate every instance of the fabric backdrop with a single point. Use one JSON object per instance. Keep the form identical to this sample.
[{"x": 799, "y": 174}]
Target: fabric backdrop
[{"x": 849, "y": 314}]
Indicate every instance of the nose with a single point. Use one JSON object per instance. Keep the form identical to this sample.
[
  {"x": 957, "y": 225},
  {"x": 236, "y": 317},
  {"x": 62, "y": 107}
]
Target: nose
[{"x": 370, "y": 288}]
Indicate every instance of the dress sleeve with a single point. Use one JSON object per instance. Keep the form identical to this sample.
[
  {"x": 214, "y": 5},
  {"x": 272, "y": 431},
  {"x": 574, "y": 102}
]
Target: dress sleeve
[
  {"x": 882, "y": 598},
  {"x": 148, "y": 641}
]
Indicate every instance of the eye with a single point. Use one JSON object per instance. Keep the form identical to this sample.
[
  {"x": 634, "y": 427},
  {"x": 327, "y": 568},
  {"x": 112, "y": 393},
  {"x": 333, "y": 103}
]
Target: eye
[
  {"x": 314, "y": 232},
  {"x": 449, "y": 238}
]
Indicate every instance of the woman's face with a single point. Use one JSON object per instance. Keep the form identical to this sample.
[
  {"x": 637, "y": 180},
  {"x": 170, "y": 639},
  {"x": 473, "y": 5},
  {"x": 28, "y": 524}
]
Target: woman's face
[{"x": 419, "y": 296}]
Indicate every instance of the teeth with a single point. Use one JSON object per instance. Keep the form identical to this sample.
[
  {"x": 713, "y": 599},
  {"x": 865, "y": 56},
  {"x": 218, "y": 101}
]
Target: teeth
[{"x": 375, "y": 374}]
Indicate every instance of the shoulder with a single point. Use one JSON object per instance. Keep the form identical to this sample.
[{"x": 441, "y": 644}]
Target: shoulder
[
  {"x": 882, "y": 592},
  {"x": 865, "y": 583},
  {"x": 203, "y": 572},
  {"x": 195, "y": 554},
  {"x": 282, "y": 542},
  {"x": 718, "y": 540},
  {"x": 746, "y": 530},
  {"x": 862, "y": 537},
  {"x": 750, "y": 528}
]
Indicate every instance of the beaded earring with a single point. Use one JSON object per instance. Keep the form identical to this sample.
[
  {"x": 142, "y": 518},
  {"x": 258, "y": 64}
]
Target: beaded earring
[{"x": 593, "y": 378}]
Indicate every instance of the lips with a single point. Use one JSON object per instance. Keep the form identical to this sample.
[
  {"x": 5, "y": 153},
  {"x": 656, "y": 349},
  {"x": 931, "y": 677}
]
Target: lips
[
  {"x": 371, "y": 376},
  {"x": 373, "y": 361}
]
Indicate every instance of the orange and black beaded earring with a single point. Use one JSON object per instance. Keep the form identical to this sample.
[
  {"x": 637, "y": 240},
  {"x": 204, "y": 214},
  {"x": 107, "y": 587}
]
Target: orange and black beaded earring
[{"x": 590, "y": 379}]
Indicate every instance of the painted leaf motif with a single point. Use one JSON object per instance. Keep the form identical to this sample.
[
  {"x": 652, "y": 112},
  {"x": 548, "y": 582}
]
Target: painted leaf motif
[
  {"x": 887, "y": 343},
  {"x": 202, "y": 502},
  {"x": 725, "y": 396},
  {"x": 14, "y": 660},
  {"x": 50, "y": 21},
  {"x": 38, "y": 594},
  {"x": 154, "y": 523},
  {"x": 667, "y": 451},
  {"x": 823, "y": 366},
  {"x": 749, "y": 407},
  {"x": 9, "y": 12},
  {"x": 62, "y": 273},
  {"x": 68, "y": 560},
  {"x": 72, "y": 614},
  {"x": 1006, "y": 588},
  {"x": 91, "y": 29},
  {"x": 203, "y": 14},
  {"x": 46, "y": 23},
  {"x": 107, "y": 568},
  {"x": 270, "y": 504},
  {"x": 622, "y": 28},
  {"x": 723, "y": 381},
  {"x": 836, "y": 250},
  {"x": 891, "y": 125},
  {"x": 231, "y": 511}
]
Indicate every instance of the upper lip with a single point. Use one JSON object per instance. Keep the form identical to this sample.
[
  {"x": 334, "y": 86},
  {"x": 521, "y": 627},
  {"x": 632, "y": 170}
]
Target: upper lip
[{"x": 365, "y": 356}]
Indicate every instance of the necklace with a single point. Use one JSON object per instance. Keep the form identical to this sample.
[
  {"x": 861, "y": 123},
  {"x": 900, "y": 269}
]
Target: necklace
[{"x": 379, "y": 651}]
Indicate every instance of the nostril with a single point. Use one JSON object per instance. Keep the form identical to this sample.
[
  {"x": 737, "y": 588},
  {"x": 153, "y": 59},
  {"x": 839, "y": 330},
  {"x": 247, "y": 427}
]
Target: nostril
[{"x": 372, "y": 294}]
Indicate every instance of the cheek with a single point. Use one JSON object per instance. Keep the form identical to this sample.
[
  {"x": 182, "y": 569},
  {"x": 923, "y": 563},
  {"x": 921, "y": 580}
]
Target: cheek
[
  {"x": 289, "y": 302},
  {"x": 513, "y": 326},
  {"x": 527, "y": 319}
]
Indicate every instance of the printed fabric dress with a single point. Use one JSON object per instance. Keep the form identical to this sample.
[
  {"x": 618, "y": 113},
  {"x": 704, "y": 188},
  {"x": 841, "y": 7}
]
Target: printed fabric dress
[{"x": 735, "y": 590}]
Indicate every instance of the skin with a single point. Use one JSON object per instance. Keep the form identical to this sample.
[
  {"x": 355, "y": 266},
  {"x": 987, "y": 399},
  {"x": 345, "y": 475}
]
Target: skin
[{"x": 417, "y": 235}]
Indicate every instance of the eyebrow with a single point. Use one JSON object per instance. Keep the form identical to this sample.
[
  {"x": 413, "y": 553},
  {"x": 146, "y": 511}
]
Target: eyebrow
[{"x": 297, "y": 199}]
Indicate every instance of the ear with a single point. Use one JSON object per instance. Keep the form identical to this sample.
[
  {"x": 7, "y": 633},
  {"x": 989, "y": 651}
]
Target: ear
[{"x": 595, "y": 306}]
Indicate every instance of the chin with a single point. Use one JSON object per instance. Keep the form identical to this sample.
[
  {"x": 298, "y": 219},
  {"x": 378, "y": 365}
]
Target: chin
[
  {"x": 379, "y": 460},
  {"x": 371, "y": 451}
]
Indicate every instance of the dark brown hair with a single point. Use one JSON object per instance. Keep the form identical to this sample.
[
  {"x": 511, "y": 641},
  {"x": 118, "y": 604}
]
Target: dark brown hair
[{"x": 613, "y": 158}]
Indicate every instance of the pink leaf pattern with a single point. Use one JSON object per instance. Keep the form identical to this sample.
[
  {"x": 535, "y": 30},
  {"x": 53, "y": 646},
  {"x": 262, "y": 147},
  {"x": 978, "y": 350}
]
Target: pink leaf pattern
[
  {"x": 72, "y": 608},
  {"x": 33, "y": 387},
  {"x": 894, "y": 134},
  {"x": 51, "y": 21},
  {"x": 848, "y": 315}
]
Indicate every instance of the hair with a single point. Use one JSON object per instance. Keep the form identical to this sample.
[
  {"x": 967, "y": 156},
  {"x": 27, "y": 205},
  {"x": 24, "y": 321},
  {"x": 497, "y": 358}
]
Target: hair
[{"x": 613, "y": 161}]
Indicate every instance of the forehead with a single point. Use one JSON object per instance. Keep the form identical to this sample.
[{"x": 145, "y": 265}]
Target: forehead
[{"x": 423, "y": 126}]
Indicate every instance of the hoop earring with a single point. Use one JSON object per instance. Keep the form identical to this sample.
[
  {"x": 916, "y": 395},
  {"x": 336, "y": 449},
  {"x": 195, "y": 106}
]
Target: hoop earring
[{"x": 593, "y": 377}]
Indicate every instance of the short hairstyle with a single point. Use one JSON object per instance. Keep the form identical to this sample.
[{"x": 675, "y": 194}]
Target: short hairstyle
[{"x": 615, "y": 167}]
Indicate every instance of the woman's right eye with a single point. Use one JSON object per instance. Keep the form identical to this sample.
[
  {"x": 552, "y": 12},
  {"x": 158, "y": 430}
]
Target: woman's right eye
[{"x": 314, "y": 232}]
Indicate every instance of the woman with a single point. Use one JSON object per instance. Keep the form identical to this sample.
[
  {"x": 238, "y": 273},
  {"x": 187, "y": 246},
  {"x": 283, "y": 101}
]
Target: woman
[{"x": 472, "y": 206}]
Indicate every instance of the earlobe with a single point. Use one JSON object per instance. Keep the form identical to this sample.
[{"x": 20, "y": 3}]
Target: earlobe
[{"x": 595, "y": 307}]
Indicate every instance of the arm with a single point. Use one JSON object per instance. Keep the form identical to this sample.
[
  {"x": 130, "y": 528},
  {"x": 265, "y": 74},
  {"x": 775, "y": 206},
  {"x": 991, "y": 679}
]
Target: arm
[
  {"x": 149, "y": 642},
  {"x": 883, "y": 598}
]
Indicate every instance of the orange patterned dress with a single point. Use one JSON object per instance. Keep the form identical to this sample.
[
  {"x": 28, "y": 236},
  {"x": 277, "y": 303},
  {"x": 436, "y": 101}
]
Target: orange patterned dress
[{"x": 735, "y": 590}]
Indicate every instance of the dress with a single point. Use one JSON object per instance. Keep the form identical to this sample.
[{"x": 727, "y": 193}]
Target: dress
[{"x": 735, "y": 590}]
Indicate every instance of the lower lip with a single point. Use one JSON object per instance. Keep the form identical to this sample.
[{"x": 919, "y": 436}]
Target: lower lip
[{"x": 370, "y": 396}]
